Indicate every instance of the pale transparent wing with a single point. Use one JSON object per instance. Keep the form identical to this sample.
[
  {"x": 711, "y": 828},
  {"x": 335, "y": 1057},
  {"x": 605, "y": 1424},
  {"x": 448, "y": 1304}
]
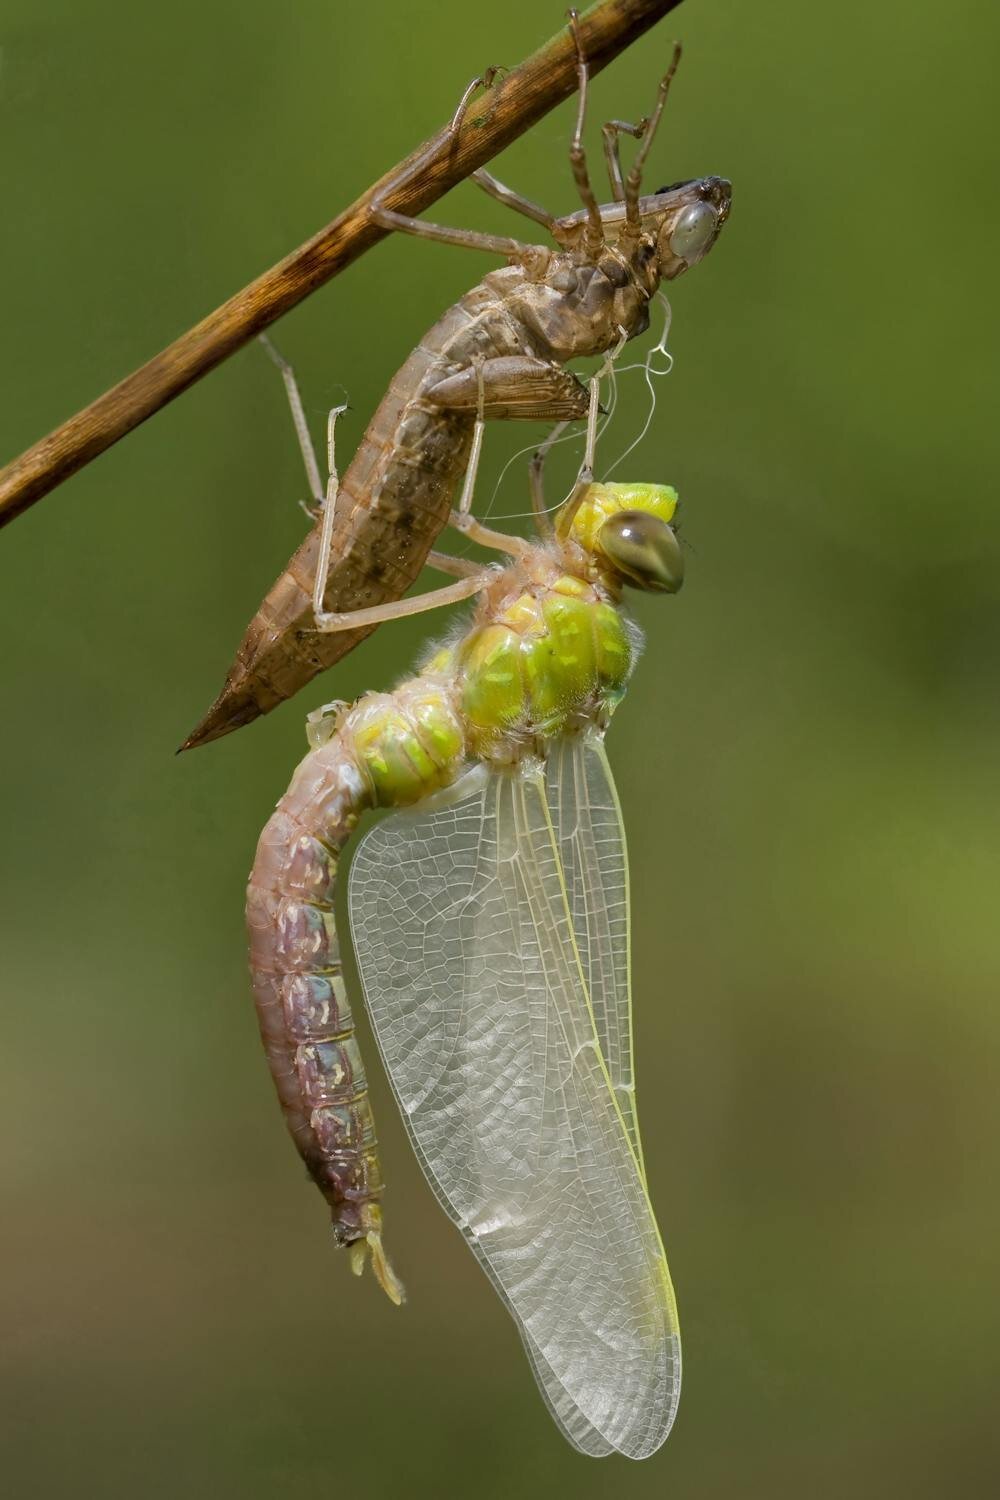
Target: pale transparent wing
[
  {"x": 587, "y": 819},
  {"x": 473, "y": 979}
]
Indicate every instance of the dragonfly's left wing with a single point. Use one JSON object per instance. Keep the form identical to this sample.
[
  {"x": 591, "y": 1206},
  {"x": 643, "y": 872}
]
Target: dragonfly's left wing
[{"x": 461, "y": 917}]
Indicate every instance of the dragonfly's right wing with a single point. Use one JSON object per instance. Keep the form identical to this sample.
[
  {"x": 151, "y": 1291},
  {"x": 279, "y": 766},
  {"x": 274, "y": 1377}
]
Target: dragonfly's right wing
[
  {"x": 466, "y": 945},
  {"x": 588, "y": 824}
]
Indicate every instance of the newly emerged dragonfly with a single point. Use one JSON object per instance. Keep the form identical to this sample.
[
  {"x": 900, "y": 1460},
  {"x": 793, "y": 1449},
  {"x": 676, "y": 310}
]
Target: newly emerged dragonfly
[
  {"x": 489, "y": 915},
  {"x": 501, "y": 351}
]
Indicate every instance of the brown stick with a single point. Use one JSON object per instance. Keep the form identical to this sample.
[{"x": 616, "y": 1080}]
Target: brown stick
[{"x": 492, "y": 121}]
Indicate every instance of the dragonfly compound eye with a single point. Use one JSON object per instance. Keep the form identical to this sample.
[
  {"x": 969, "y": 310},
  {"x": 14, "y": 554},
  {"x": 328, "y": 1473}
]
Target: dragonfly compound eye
[
  {"x": 694, "y": 232},
  {"x": 644, "y": 550}
]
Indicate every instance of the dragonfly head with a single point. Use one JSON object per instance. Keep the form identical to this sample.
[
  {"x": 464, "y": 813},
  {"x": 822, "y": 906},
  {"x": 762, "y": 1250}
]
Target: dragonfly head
[
  {"x": 626, "y": 527},
  {"x": 644, "y": 550}
]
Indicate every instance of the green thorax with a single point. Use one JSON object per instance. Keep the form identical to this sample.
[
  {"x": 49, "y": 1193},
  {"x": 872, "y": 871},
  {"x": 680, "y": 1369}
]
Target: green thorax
[
  {"x": 548, "y": 653},
  {"x": 552, "y": 658}
]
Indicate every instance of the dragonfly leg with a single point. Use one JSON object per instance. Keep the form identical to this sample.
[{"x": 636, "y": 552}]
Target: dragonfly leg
[
  {"x": 329, "y": 504},
  {"x": 611, "y": 131},
  {"x": 633, "y": 183},
  {"x": 593, "y": 239},
  {"x": 513, "y": 199},
  {"x": 458, "y": 567},
  {"x": 399, "y": 609},
  {"x": 301, "y": 428},
  {"x": 499, "y": 541},
  {"x": 472, "y": 467},
  {"x": 536, "y": 482},
  {"x": 585, "y": 476},
  {"x": 471, "y": 239},
  {"x": 462, "y": 519}
]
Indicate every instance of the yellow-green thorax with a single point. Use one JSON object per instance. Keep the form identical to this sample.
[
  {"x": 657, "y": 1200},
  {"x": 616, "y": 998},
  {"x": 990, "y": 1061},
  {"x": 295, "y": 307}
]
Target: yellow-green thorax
[
  {"x": 548, "y": 652},
  {"x": 553, "y": 656}
]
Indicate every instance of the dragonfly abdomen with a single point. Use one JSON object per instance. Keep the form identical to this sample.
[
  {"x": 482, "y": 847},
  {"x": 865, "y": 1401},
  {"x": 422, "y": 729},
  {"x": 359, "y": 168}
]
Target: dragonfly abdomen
[
  {"x": 304, "y": 1016},
  {"x": 389, "y": 750}
]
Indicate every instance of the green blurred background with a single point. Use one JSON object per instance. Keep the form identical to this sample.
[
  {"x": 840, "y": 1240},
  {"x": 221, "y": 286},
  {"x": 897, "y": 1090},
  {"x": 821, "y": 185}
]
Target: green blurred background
[{"x": 808, "y": 762}]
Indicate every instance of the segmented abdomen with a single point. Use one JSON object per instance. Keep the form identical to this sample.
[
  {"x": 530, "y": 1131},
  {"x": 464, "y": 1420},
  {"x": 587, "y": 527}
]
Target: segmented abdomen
[{"x": 305, "y": 1020}]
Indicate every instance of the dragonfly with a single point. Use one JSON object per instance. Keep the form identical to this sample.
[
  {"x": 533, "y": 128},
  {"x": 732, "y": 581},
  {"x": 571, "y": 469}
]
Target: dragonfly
[
  {"x": 489, "y": 918},
  {"x": 501, "y": 352}
]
